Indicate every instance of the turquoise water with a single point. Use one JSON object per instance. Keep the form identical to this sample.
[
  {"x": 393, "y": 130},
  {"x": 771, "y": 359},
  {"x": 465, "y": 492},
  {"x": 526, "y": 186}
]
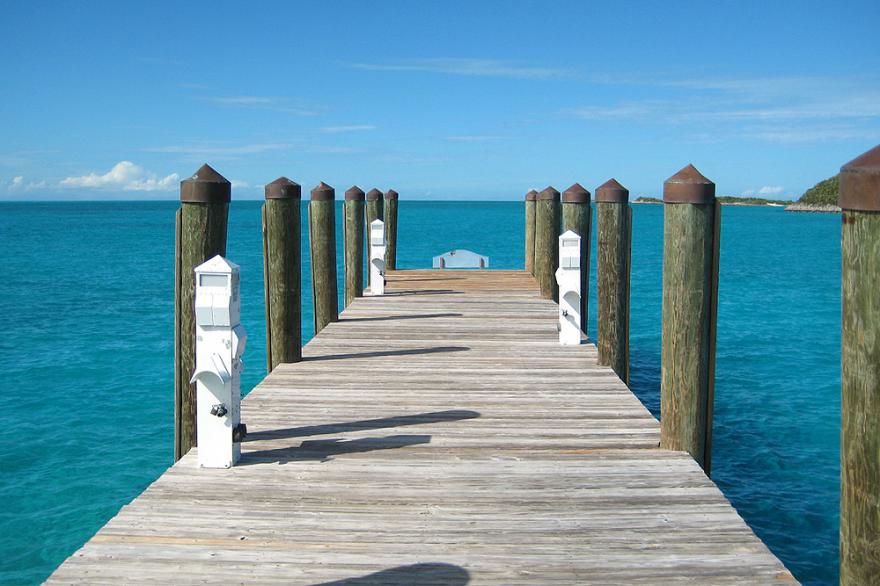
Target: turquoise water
[{"x": 86, "y": 411}]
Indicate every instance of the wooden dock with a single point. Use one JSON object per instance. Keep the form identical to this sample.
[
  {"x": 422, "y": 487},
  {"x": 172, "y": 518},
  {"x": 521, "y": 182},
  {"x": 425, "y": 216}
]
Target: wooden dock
[{"x": 437, "y": 435}]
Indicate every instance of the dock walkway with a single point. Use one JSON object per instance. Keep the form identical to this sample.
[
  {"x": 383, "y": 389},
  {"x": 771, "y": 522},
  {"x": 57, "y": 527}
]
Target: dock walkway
[{"x": 437, "y": 435}]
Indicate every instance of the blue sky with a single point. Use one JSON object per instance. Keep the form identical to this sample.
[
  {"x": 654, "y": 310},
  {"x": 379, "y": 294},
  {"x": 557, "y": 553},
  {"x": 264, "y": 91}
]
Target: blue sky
[{"x": 482, "y": 100}]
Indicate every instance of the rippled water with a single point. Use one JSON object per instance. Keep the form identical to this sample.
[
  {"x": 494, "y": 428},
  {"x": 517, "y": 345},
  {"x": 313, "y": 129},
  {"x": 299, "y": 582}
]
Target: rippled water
[{"x": 86, "y": 411}]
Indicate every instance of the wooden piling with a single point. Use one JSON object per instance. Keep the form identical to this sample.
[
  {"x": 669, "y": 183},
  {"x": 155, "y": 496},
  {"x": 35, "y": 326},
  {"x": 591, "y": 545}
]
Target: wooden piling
[
  {"x": 613, "y": 241},
  {"x": 282, "y": 272},
  {"x": 390, "y": 215},
  {"x": 201, "y": 235},
  {"x": 860, "y": 371},
  {"x": 547, "y": 224},
  {"x": 577, "y": 217},
  {"x": 354, "y": 243},
  {"x": 322, "y": 244},
  {"x": 374, "y": 211},
  {"x": 692, "y": 219},
  {"x": 531, "y": 196}
]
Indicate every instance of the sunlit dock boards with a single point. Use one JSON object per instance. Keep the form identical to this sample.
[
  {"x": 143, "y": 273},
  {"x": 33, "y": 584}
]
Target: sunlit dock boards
[{"x": 436, "y": 435}]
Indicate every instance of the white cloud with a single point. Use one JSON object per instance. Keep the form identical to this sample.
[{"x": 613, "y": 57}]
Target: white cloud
[
  {"x": 782, "y": 110},
  {"x": 220, "y": 150},
  {"x": 18, "y": 183},
  {"x": 275, "y": 104},
  {"x": 698, "y": 109},
  {"x": 239, "y": 184},
  {"x": 626, "y": 110},
  {"x": 333, "y": 150},
  {"x": 244, "y": 101},
  {"x": 126, "y": 176},
  {"x": 349, "y": 128},
  {"x": 473, "y": 138},
  {"x": 468, "y": 67},
  {"x": 766, "y": 190},
  {"x": 818, "y": 133}
]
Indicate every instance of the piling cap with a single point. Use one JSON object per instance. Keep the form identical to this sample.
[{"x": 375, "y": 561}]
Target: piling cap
[
  {"x": 576, "y": 194},
  {"x": 532, "y": 195},
  {"x": 612, "y": 192},
  {"x": 283, "y": 188},
  {"x": 206, "y": 186},
  {"x": 688, "y": 186},
  {"x": 391, "y": 194},
  {"x": 374, "y": 195},
  {"x": 549, "y": 193},
  {"x": 323, "y": 192},
  {"x": 354, "y": 193},
  {"x": 860, "y": 182}
]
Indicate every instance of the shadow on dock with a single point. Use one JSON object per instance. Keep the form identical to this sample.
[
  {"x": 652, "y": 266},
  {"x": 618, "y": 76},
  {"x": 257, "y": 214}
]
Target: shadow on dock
[
  {"x": 324, "y": 450},
  {"x": 403, "y": 292},
  {"x": 366, "y": 424},
  {"x": 416, "y": 574},
  {"x": 397, "y": 317},
  {"x": 405, "y": 280},
  {"x": 377, "y": 354}
]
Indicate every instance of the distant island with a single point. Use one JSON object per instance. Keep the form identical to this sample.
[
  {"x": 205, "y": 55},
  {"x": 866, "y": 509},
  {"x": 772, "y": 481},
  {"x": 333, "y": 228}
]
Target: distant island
[
  {"x": 729, "y": 200},
  {"x": 821, "y": 197}
]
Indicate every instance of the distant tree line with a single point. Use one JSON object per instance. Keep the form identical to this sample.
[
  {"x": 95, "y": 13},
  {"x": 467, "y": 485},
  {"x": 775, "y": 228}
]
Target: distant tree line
[
  {"x": 727, "y": 199},
  {"x": 824, "y": 192}
]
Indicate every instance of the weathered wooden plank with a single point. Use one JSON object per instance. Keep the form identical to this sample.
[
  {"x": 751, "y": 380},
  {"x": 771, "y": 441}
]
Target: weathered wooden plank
[{"x": 436, "y": 439}]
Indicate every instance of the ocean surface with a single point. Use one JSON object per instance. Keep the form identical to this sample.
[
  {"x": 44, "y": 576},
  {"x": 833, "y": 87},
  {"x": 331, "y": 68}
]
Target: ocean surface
[{"x": 86, "y": 394}]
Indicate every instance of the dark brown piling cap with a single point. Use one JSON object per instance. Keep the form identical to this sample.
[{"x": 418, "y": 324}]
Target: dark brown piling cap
[
  {"x": 283, "y": 188},
  {"x": 549, "y": 193},
  {"x": 374, "y": 195},
  {"x": 612, "y": 192},
  {"x": 860, "y": 182},
  {"x": 688, "y": 186},
  {"x": 206, "y": 186},
  {"x": 323, "y": 192},
  {"x": 354, "y": 193},
  {"x": 391, "y": 194},
  {"x": 532, "y": 195},
  {"x": 576, "y": 194}
]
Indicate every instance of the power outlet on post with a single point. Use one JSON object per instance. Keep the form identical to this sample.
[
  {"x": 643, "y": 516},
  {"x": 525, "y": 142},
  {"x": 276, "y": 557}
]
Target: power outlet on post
[{"x": 220, "y": 343}]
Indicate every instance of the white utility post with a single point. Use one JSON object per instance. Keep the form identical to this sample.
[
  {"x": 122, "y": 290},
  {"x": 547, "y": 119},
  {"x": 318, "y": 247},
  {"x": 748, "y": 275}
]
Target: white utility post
[
  {"x": 220, "y": 341},
  {"x": 568, "y": 277},
  {"x": 377, "y": 257}
]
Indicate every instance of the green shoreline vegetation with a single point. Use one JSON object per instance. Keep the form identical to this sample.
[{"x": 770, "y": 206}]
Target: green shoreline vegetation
[
  {"x": 729, "y": 200},
  {"x": 823, "y": 193},
  {"x": 822, "y": 197}
]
